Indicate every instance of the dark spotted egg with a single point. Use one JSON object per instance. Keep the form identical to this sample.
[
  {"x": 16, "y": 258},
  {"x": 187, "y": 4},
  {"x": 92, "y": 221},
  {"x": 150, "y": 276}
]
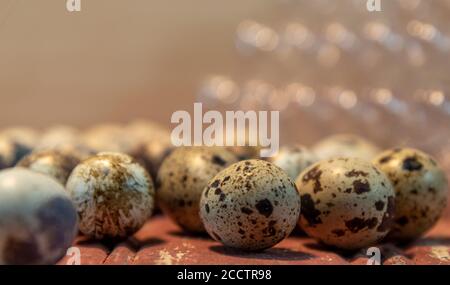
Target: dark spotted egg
[
  {"x": 113, "y": 195},
  {"x": 346, "y": 202},
  {"x": 181, "y": 179},
  {"x": 38, "y": 221},
  {"x": 54, "y": 163},
  {"x": 421, "y": 190},
  {"x": 251, "y": 205}
]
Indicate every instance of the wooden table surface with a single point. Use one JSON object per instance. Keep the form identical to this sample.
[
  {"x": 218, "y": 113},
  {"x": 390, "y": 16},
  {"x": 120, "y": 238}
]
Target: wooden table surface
[{"x": 161, "y": 242}]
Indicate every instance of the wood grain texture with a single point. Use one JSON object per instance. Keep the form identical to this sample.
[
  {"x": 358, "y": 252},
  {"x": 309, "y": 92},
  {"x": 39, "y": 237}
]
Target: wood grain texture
[{"x": 160, "y": 242}]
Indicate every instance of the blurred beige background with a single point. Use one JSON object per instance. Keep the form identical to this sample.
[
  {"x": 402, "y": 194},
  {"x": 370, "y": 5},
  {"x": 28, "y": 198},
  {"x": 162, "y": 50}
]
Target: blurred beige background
[{"x": 114, "y": 60}]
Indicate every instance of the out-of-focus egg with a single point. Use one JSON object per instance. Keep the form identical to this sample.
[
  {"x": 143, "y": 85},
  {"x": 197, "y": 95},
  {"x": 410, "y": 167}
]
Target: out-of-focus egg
[
  {"x": 24, "y": 139},
  {"x": 182, "y": 178},
  {"x": 38, "y": 221},
  {"x": 293, "y": 159},
  {"x": 54, "y": 163},
  {"x": 345, "y": 145},
  {"x": 421, "y": 189}
]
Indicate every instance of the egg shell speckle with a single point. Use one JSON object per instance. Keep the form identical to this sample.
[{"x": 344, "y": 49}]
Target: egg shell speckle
[
  {"x": 346, "y": 202},
  {"x": 293, "y": 159},
  {"x": 181, "y": 179},
  {"x": 38, "y": 221},
  {"x": 114, "y": 195},
  {"x": 54, "y": 163},
  {"x": 421, "y": 189},
  {"x": 251, "y": 205}
]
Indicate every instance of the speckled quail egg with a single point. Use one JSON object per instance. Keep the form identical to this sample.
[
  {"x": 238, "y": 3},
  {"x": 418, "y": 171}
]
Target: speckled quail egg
[
  {"x": 113, "y": 194},
  {"x": 54, "y": 163},
  {"x": 38, "y": 221},
  {"x": 346, "y": 202},
  {"x": 251, "y": 205},
  {"x": 345, "y": 145},
  {"x": 181, "y": 179},
  {"x": 421, "y": 190},
  {"x": 293, "y": 159}
]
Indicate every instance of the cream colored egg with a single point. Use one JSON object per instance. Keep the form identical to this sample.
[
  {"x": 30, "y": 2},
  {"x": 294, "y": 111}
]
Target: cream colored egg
[
  {"x": 181, "y": 179},
  {"x": 346, "y": 202},
  {"x": 113, "y": 194},
  {"x": 250, "y": 205},
  {"x": 421, "y": 189},
  {"x": 345, "y": 145},
  {"x": 293, "y": 159}
]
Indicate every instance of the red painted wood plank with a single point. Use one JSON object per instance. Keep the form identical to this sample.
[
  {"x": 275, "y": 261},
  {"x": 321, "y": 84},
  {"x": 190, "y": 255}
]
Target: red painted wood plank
[{"x": 161, "y": 242}]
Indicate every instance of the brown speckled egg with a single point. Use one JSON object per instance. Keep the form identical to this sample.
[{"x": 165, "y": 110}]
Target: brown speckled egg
[
  {"x": 345, "y": 145},
  {"x": 420, "y": 187},
  {"x": 113, "y": 195},
  {"x": 38, "y": 221},
  {"x": 181, "y": 179},
  {"x": 251, "y": 205},
  {"x": 293, "y": 159},
  {"x": 346, "y": 202},
  {"x": 54, "y": 163}
]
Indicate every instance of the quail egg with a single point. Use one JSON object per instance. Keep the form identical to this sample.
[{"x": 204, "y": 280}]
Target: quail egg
[
  {"x": 57, "y": 164},
  {"x": 421, "y": 190},
  {"x": 57, "y": 136},
  {"x": 144, "y": 131},
  {"x": 251, "y": 205},
  {"x": 151, "y": 155},
  {"x": 293, "y": 159},
  {"x": 153, "y": 144},
  {"x": 109, "y": 137},
  {"x": 113, "y": 194},
  {"x": 182, "y": 178},
  {"x": 345, "y": 145},
  {"x": 64, "y": 139},
  {"x": 245, "y": 152},
  {"x": 38, "y": 221},
  {"x": 24, "y": 139},
  {"x": 8, "y": 152},
  {"x": 346, "y": 202}
]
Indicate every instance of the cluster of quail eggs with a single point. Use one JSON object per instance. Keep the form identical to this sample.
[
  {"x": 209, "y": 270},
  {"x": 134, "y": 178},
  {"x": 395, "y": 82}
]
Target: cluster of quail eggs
[
  {"x": 105, "y": 183},
  {"x": 343, "y": 191},
  {"x": 61, "y": 181}
]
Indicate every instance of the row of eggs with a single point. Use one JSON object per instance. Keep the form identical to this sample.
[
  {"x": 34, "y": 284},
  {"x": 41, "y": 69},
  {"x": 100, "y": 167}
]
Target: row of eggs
[{"x": 333, "y": 192}]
